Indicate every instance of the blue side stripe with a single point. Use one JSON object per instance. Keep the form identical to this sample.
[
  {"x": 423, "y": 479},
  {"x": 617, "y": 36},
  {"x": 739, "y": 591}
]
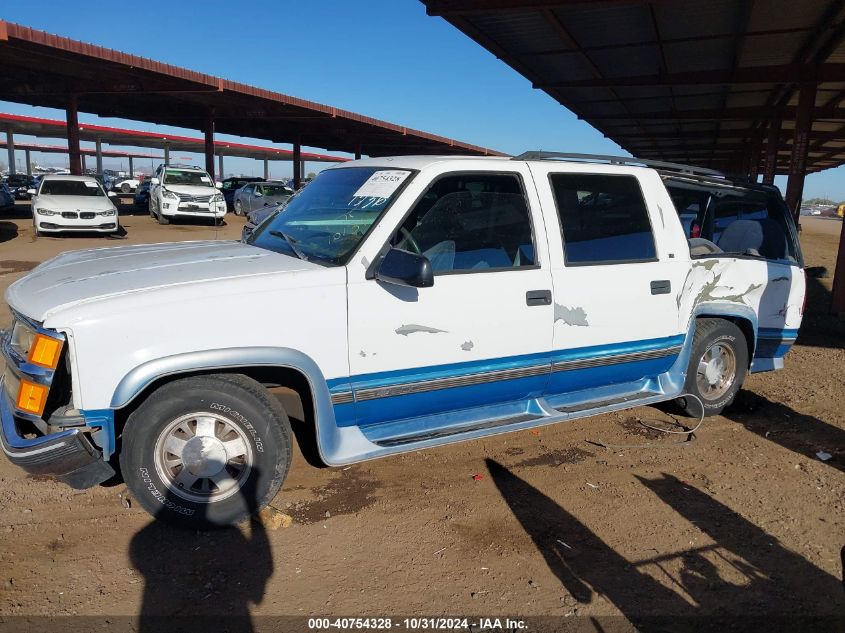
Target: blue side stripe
[
  {"x": 776, "y": 333},
  {"x": 600, "y": 351},
  {"x": 418, "y": 374}
]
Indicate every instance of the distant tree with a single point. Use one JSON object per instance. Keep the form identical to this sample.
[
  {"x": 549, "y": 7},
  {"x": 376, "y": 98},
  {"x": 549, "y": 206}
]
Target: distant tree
[
  {"x": 311, "y": 175},
  {"x": 819, "y": 201}
]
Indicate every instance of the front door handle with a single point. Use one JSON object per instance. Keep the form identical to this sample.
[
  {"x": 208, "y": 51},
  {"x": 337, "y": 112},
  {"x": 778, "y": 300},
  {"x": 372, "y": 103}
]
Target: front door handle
[{"x": 538, "y": 298}]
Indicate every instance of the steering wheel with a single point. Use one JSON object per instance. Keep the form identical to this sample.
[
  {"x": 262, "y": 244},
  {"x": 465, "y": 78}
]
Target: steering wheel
[{"x": 409, "y": 239}]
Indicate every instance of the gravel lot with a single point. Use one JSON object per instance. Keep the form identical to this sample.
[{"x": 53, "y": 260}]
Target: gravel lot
[{"x": 743, "y": 521}]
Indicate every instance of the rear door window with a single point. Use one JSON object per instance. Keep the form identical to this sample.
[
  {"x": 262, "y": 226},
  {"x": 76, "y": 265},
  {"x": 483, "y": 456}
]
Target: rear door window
[{"x": 604, "y": 219}]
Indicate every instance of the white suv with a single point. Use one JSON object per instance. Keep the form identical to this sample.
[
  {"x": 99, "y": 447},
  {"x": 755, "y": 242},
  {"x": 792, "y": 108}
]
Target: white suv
[
  {"x": 410, "y": 302},
  {"x": 177, "y": 191}
]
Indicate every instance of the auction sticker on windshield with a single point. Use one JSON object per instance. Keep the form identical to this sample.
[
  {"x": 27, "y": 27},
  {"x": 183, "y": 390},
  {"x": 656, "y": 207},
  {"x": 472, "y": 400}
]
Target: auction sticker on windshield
[{"x": 381, "y": 184}]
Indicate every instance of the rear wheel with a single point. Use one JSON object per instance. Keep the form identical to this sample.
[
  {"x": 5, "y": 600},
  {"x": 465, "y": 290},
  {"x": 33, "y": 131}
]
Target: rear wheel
[
  {"x": 717, "y": 368},
  {"x": 206, "y": 450},
  {"x": 239, "y": 210}
]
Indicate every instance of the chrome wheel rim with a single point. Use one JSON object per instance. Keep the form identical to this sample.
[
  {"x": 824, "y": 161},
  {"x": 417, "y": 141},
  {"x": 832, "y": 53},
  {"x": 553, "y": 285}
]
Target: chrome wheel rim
[
  {"x": 716, "y": 371},
  {"x": 203, "y": 457}
]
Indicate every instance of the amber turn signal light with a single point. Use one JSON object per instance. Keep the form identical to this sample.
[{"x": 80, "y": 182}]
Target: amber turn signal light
[
  {"x": 45, "y": 351},
  {"x": 32, "y": 397}
]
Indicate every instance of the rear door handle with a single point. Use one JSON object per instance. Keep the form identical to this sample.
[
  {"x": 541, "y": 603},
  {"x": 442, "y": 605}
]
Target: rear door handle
[
  {"x": 661, "y": 287},
  {"x": 538, "y": 298}
]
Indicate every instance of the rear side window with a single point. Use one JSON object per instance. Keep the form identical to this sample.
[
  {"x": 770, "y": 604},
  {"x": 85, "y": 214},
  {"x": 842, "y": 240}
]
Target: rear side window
[
  {"x": 740, "y": 222},
  {"x": 604, "y": 219}
]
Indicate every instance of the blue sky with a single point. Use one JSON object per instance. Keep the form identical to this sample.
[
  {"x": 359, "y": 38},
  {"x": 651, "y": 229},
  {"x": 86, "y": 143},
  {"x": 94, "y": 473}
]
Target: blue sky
[{"x": 382, "y": 58}]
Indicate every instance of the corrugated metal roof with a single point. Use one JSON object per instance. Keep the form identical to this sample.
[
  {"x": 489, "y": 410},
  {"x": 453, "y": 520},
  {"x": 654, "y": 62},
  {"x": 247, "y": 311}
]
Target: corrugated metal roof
[
  {"x": 44, "y": 69},
  {"x": 690, "y": 81}
]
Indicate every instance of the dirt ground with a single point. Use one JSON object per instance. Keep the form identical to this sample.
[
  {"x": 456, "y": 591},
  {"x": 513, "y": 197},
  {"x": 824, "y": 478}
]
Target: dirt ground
[{"x": 743, "y": 521}]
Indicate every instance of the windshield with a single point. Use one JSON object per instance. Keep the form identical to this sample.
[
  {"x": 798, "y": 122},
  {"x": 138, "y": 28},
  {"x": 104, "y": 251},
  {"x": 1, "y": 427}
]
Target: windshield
[
  {"x": 185, "y": 177},
  {"x": 329, "y": 218},
  {"x": 71, "y": 188}
]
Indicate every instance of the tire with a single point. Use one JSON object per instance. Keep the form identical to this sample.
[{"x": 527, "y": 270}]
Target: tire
[
  {"x": 125, "y": 188},
  {"x": 150, "y": 207},
  {"x": 163, "y": 220},
  {"x": 717, "y": 368},
  {"x": 239, "y": 210},
  {"x": 193, "y": 417}
]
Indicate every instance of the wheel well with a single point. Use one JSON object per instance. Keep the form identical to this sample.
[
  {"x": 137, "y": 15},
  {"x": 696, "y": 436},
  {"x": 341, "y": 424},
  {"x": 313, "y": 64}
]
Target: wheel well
[
  {"x": 743, "y": 324},
  {"x": 269, "y": 376}
]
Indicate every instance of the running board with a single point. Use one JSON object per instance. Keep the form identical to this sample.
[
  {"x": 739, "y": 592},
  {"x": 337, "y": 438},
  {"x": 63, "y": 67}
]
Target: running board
[
  {"x": 600, "y": 404},
  {"x": 459, "y": 430}
]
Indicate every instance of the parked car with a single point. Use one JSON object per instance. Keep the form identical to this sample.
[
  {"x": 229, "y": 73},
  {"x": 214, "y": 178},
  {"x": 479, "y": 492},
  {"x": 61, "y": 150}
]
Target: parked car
[
  {"x": 72, "y": 203},
  {"x": 142, "y": 195},
  {"x": 185, "y": 191},
  {"x": 256, "y": 195},
  {"x": 126, "y": 185},
  {"x": 7, "y": 200},
  {"x": 19, "y": 185},
  {"x": 415, "y": 302},
  {"x": 231, "y": 185}
]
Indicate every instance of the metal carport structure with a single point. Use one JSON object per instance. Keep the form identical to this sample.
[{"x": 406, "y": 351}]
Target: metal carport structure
[
  {"x": 749, "y": 87},
  {"x": 43, "y": 69},
  {"x": 49, "y": 128}
]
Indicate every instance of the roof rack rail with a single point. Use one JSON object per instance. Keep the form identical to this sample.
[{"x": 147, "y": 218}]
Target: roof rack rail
[{"x": 620, "y": 160}]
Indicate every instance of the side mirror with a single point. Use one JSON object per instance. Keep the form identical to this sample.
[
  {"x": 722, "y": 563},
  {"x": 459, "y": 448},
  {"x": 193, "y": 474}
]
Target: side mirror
[
  {"x": 404, "y": 268},
  {"x": 154, "y": 181},
  {"x": 30, "y": 192},
  {"x": 112, "y": 194},
  {"x": 218, "y": 184}
]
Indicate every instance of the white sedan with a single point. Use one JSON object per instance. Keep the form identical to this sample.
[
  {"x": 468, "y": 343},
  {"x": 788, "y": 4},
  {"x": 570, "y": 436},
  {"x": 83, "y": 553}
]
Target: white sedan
[{"x": 72, "y": 203}]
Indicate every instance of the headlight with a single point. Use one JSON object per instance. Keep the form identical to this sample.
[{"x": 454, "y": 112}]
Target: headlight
[
  {"x": 23, "y": 337},
  {"x": 43, "y": 211},
  {"x": 218, "y": 197},
  {"x": 170, "y": 195},
  {"x": 108, "y": 213}
]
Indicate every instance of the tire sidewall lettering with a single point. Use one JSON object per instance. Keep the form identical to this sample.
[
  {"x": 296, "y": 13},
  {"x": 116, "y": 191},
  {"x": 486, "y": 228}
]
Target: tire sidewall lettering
[
  {"x": 247, "y": 425},
  {"x": 156, "y": 494}
]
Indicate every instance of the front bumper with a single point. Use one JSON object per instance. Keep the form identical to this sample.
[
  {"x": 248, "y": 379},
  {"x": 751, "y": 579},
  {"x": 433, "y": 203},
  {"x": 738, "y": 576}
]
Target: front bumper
[
  {"x": 39, "y": 447},
  {"x": 104, "y": 227},
  {"x": 67, "y": 455},
  {"x": 198, "y": 210}
]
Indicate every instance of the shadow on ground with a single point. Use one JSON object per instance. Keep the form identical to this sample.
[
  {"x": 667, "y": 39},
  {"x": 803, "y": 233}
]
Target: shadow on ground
[{"x": 765, "y": 578}]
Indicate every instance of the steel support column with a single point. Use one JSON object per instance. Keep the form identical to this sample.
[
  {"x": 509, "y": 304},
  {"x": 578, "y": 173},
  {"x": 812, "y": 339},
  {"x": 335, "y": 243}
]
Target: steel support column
[
  {"x": 10, "y": 148},
  {"x": 756, "y": 150},
  {"x": 166, "y": 153},
  {"x": 800, "y": 147},
  {"x": 266, "y": 169},
  {"x": 82, "y": 163},
  {"x": 99, "y": 148},
  {"x": 837, "y": 302},
  {"x": 358, "y": 152},
  {"x": 220, "y": 171},
  {"x": 209, "y": 147},
  {"x": 28, "y": 156},
  {"x": 772, "y": 145},
  {"x": 297, "y": 165},
  {"x": 131, "y": 168},
  {"x": 74, "y": 155}
]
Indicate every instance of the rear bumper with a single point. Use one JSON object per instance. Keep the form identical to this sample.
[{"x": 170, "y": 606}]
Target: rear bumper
[{"x": 67, "y": 455}]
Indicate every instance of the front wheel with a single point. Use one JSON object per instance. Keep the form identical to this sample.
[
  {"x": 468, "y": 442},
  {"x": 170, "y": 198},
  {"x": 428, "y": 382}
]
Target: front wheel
[
  {"x": 206, "y": 451},
  {"x": 717, "y": 368}
]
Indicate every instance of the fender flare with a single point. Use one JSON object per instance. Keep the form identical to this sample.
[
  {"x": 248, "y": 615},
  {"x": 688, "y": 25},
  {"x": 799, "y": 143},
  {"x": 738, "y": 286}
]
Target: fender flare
[
  {"x": 734, "y": 310},
  {"x": 328, "y": 434}
]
